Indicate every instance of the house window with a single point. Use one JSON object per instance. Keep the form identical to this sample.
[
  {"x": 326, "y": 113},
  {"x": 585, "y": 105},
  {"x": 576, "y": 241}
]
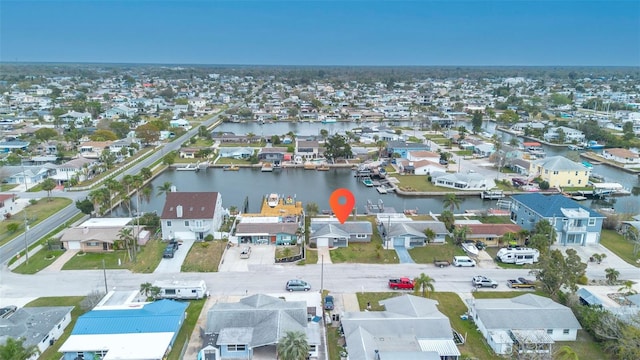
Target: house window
[
  {"x": 168, "y": 223},
  {"x": 92, "y": 243},
  {"x": 361, "y": 236},
  {"x": 555, "y": 173},
  {"x": 592, "y": 221},
  {"x": 312, "y": 348},
  {"x": 579, "y": 182},
  {"x": 236, "y": 347},
  {"x": 565, "y": 331},
  {"x": 549, "y": 331},
  {"x": 186, "y": 223}
]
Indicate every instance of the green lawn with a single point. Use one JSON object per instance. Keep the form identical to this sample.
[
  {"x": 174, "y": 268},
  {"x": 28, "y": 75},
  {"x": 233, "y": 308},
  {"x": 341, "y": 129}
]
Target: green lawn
[
  {"x": 418, "y": 183},
  {"x": 619, "y": 246},
  {"x": 242, "y": 144},
  {"x": 193, "y": 312},
  {"x": 7, "y": 187},
  {"x": 230, "y": 161},
  {"x": 495, "y": 220},
  {"x": 463, "y": 152},
  {"x": 147, "y": 259},
  {"x": 204, "y": 256},
  {"x": 38, "y": 261},
  {"x": 36, "y": 213},
  {"x": 426, "y": 254},
  {"x": 365, "y": 253}
]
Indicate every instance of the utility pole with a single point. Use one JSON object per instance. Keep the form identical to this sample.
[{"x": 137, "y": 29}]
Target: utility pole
[
  {"x": 321, "y": 275},
  {"x": 104, "y": 272},
  {"x": 24, "y": 212}
]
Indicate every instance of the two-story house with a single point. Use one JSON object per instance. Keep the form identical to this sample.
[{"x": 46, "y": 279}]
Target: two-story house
[
  {"x": 307, "y": 150},
  {"x": 574, "y": 223},
  {"x": 191, "y": 215},
  {"x": 402, "y": 148},
  {"x": 559, "y": 171},
  {"x": 570, "y": 135}
]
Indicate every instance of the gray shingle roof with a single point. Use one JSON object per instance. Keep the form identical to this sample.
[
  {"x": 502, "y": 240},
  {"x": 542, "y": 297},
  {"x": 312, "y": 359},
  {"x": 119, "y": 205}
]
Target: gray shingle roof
[
  {"x": 559, "y": 163},
  {"x": 32, "y": 323}
]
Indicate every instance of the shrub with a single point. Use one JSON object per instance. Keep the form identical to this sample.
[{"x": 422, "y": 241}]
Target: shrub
[
  {"x": 583, "y": 280},
  {"x": 209, "y": 237}
]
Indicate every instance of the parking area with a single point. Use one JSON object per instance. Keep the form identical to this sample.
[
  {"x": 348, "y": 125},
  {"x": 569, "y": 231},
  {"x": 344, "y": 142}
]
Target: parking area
[
  {"x": 260, "y": 255},
  {"x": 174, "y": 264}
]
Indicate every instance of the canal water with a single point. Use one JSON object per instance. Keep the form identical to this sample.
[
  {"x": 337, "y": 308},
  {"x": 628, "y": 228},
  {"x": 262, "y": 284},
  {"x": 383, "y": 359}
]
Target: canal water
[{"x": 316, "y": 186}]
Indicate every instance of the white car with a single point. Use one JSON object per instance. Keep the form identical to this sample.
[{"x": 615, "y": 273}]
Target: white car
[{"x": 460, "y": 261}]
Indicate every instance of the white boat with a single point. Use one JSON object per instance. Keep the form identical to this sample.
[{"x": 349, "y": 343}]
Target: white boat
[
  {"x": 381, "y": 189},
  {"x": 189, "y": 167},
  {"x": 273, "y": 200},
  {"x": 470, "y": 248},
  {"x": 266, "y": 167}
]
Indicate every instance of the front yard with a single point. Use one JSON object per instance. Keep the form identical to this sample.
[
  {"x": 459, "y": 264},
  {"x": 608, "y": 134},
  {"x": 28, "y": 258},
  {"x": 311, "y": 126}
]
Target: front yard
[
  {"x": 204, "y": 256},
  {"x": 426, "y": 254},
  {"x": 366, "y": 253},
  {"x": 147, "y": 259},
  {"x": 619, "y": 246}
]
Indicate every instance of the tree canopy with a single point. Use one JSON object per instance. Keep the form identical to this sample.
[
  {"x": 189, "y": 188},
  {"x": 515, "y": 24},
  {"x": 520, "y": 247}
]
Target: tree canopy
[{"x": 337, "y": 147}]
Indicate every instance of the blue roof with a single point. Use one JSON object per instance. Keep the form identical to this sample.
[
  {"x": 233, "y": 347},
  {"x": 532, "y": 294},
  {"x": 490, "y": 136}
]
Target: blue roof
[
  {"x": 549, "y": 205},
  {"x": 158, "y": 316}
]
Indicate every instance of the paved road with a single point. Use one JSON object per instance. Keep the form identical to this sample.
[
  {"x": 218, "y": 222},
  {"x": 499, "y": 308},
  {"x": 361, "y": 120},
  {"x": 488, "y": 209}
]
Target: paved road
[{"x": 13, "y": 247}]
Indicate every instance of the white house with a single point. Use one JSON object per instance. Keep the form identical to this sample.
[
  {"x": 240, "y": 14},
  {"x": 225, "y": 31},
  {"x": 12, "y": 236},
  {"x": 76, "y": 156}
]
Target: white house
[
  {"x": 529, "y": 316},
  {"x": 418, "y": 155},
  {"x": 628, "y": 158},
  {"x": 39, "y": 326},
  {"x": 191, "y": 215},
  {"x": 182, "y": 123},
  {"x": 460, "y": 181},
  {"x": 421, "y": 167},
  {"x": 570, "y": 135}
]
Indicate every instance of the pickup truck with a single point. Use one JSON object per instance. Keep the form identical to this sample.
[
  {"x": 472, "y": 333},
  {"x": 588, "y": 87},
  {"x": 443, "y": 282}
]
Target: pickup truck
[
  {"x": 401, "y": 283},
  {"x": 483, "y": 281},
  {"x": 441, "y": 263},
  {"x": 521, "y": 283}
]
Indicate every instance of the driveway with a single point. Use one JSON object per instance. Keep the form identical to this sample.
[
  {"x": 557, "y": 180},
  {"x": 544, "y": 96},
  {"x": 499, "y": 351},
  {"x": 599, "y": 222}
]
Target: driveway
[
  {"x": 403, "y": 255},
  {"x": 261, "y": 255},
  {"x": 173, "y": 265}
]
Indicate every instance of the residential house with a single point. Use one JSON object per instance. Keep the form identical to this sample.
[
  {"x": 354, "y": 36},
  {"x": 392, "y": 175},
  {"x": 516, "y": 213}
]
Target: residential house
[
  {"x": 526, "y": 320},
  {"x": 420, "y": 167},
  {"x": 419, "y": 155},
  {"x": 191, "y": 215},
  {"x": 267, "y": 230},
  {"x": 180, "y": 123},
  {"x": 402, "y": 148},
  {"x": 484, "y": 149},
  {"x": 410, "y": 327},
  {"x": 12, "y": 144},
  {"x": 100, "y": 234},
  {"x": 188, "y": 153},
  {"x": 7, "y": 202},
  {"x": 574, "y": 224},
  {"x": 228, "y": 137},
  {"x": 93, "y": 149},
  {"x": 77, "y": 118},
  {"x": 274, "y": 155},
  {"x": 239, "y": 153},
  {"x": 308, "y": 150},
  {"x": 410, "y": 234},
  {"x": 136, "y": 330},
  {"x": 460, "y": 181},
  {"x": 559, "y": 171},
  {"x": 570, "y": 135},
  {"x": 330, "y": 232},
  {"x": 38, "y": 326},
  {"x": 521, "y": 126},
  {"x": 26, "y": 175},
  {"x": 78, "y": 167},
  {"x": 117, "y": 147},
  {"x": 120, "y": 111},
  {"x": 490, "y": 234},
  {"x": 255, "y": 325},
  {"x": 627, "y": 158}
]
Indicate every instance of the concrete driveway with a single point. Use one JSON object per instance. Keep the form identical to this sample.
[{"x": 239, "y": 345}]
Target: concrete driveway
[
  {"x": 173, "y": 265},
  {"x": 261, "y": 255}
]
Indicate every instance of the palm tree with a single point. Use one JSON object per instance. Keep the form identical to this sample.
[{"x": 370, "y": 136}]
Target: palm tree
[
  {"x": 48, "y": 185},
  {"x": 430, "y": 234},
  {"x": 164, "y": 188},
  {"x": 126, "y": 236},
  {"x": 451, "y": 201},
  {"x": 460, "y": 234},
  {"x": 627, "y": 288},
  {"x": 424, "y": 284},
  {"x": 146, "y": 173},
  {"x": 612, "y": 275},
  {"x": 381, "y": 144},
  {"x": 98, "y": 197},
  {"x": 565, "y": 353},
  {"x": 145, "y": 288},
  {"x": 16, "y": 350},
  {"x": 114, "y": 187},
  {"x": 293, "y": 346}
]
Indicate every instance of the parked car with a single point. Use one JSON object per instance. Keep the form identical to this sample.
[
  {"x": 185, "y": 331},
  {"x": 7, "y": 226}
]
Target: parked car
[
  {"x": 401, "y": 283},
  {"x": 483, "y": 281},
  {"x": 6, "y": 311},
  {"x": 441, "y": 263},
  {"x": 328, "y": 302},
  {"x": 297, "y": 285},
  {"x": 169, "y": 251},
  {"x": 460, "y": 261},
  {"x": 521, "y": 283}
]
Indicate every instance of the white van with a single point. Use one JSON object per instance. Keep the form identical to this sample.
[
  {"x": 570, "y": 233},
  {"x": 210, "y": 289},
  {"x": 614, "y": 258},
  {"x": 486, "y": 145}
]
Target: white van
[{"x": 463, "y": 261}]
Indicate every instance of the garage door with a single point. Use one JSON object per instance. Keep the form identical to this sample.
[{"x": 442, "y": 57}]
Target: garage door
[
  {"x": 73, "y": 245},
  {"x": 322, "y": 242},
  {"x": 398, "y": 242}
]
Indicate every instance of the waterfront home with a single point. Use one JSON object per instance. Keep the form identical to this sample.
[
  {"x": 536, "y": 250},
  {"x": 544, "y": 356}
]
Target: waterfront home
[
  {"x": 522, "y": 323},
  {"x": 421, "y": 167},
  {"x": 627, "y": 158},
  {"x": 559, "y": 171},
  {"x": 191, "y": 215},
  {"x": 402, "y": 148},
  {"x": 574, "y": 224},
  {"x": 308, "y": 150},
  {"x": 410, "y": 327},
  {"x": 228, "y": 137},
  {"x": 273, "y": 230},
  {"x": 239, "y": 153},
  {"x": 39, "y": 326},
  {"x": 136, "y": 330},
  {"x": 521, "y": 126},
  {"x": 570, "y": 135},
  {"x": 330, "y": 232},
  {"x": 490, "y": 234},
  {"x": 404, "y": 232},
  {"x": 461, "y": 181},
  {"x": 254, "y": 325},
  {"x": 188, "y": 153},
  {"x": 423, "y": 155},
  {"x": 274, "y": 155}
]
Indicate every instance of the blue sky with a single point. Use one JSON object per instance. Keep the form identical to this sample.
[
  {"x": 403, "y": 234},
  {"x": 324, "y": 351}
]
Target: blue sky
[{"x": 268, "y": 32}]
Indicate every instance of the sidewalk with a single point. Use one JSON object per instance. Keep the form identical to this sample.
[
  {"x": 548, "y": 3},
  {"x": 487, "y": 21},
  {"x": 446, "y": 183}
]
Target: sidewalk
[
  {"x": 60, "y": 261},
  {"x": 323, "y": 255}
]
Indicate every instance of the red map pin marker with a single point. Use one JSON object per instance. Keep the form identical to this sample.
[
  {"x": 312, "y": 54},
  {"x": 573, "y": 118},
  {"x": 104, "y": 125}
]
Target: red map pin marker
[{"x": 342, "y": 211}]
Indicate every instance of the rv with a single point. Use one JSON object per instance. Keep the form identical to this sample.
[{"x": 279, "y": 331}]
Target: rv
[
  {"x": 518, "y": 255},
  {"x": 181, "y": 290}
]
